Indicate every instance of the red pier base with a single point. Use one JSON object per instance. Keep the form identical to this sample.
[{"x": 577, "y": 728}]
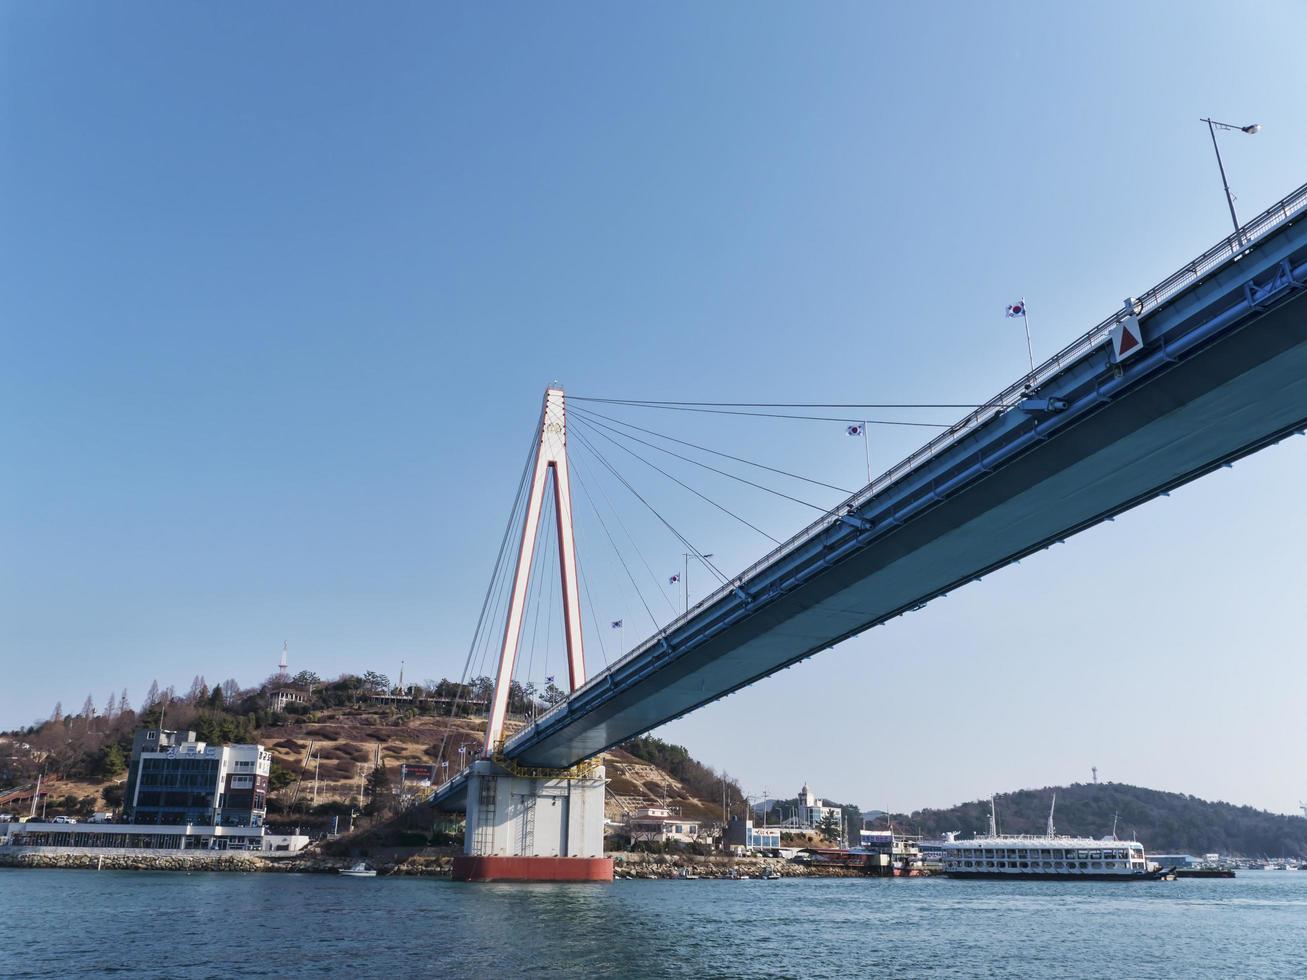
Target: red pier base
[{"x": 472, "y": 867}]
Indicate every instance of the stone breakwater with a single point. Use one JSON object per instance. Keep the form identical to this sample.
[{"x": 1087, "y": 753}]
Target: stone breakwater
[
  {"x": 636, "y": 865},
  {"x": 107, "y": 860},
  {"x": 641, "y": 865}
]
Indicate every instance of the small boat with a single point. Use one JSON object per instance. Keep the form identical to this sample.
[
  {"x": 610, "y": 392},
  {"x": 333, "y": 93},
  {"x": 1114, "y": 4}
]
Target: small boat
[
  {"x": 360, "y": 870},
  {"x": 770, "y": 874},
  {"x": 686, "y": 875}
]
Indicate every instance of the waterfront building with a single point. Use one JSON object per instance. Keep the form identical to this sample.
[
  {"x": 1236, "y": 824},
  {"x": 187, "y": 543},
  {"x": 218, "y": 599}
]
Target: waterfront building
[
  {"x": 121, "y": 837},
  {"x": 662, "y": 824},
  {"x": 175, "y": 780},
  {"x": 143, "y": 838},
  {"x": 743, "y": 834}
]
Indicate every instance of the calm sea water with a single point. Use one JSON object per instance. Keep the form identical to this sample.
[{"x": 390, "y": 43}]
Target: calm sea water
[{"x": 80, "y": 923}]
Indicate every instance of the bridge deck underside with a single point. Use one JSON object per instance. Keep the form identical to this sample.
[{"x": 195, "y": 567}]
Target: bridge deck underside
[{"x": 1233, "y": 397}]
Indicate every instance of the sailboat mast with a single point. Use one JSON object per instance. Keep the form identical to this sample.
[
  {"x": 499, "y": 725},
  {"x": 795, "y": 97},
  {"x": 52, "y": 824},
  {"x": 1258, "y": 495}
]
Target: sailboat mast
[{"x": 1049, "y": 832}]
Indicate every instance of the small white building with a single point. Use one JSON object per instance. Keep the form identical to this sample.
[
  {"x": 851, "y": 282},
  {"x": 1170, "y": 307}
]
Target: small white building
[
  {"x": 660, "y": 823},
  {"x": 282, "y": 696}
]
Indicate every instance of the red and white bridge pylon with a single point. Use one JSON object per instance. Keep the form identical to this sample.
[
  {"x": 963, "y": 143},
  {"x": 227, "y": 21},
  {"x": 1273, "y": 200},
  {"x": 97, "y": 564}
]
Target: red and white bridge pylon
[
  {"x": 550, "y": 460},
  {"x": 533, "y": 825}
]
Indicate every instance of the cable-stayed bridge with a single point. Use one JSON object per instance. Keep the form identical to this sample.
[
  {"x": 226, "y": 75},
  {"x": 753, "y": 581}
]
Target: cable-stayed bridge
[{"x": 1202, "y": 369}]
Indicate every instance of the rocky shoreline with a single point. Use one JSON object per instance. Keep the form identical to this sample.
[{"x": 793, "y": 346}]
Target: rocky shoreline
[{"x": 420, "y": 862}]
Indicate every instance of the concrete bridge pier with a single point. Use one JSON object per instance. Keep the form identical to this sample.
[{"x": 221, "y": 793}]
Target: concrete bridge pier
[{"x": 527, "y": 825}]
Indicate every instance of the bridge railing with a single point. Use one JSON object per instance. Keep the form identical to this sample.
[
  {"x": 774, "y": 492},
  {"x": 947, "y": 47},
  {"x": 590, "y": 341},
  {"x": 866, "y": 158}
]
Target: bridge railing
[{"x": 1226, "y": 250}]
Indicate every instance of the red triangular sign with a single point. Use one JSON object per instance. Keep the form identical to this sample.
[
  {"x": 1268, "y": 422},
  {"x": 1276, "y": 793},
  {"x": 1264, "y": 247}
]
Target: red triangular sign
[{"x": 1128, "y": 340}]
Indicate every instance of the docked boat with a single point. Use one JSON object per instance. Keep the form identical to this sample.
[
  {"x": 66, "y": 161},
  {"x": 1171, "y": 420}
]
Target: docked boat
[
  {"x": 1052, "y": 857},
  {"x": 360, "y": 870}
]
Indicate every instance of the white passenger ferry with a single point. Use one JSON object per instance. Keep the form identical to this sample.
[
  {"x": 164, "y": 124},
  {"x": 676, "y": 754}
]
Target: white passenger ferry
[{"x": 1050, "y": 857}]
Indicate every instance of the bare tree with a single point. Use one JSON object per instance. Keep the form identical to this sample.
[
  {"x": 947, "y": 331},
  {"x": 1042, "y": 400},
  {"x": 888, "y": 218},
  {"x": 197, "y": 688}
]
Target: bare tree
[
  {"x": 124, "y": 705},
  {"x": 230, "y": 690},
  {"x": 151, "y": 696},
  {"x": 58, "y": 714},
  {"x": 88, "y": 708},
  {"x": 108, "y": 707}
]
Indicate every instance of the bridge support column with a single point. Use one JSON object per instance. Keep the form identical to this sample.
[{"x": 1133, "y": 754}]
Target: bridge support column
[{"x": 527, "y": 827}]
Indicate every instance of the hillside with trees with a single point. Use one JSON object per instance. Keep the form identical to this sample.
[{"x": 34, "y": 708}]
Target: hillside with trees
[
  {"x": 337, "y": 746},
  {"x": 1166, "y": 823}
]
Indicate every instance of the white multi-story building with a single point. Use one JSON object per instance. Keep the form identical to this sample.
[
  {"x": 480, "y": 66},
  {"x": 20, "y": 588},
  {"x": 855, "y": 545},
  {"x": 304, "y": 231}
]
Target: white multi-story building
[
  {"x": 812, "y": 811},
  {"x": 175, "y": 780}
]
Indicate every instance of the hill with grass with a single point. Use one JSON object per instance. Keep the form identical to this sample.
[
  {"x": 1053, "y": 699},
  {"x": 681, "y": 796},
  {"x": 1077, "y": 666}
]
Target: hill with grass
[{"x": 337, "y": 746}]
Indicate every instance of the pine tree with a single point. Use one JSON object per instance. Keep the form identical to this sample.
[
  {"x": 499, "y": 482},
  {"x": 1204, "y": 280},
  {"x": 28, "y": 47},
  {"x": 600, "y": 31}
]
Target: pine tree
[
  {"x": 151, "y": 696},
  {"x": 58, "y": 714},
  {"x": 124, "y": 705},
  {"x": 378, "y": 789},
  {"x": 112, "y": 764},
  {"x": 829, "y": 827}
]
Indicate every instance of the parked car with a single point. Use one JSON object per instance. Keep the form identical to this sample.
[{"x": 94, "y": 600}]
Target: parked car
[
  {"x": 64, "y": 820},
  {"x": 7, "y": 818},
  {"x": 101, "y": 817}
]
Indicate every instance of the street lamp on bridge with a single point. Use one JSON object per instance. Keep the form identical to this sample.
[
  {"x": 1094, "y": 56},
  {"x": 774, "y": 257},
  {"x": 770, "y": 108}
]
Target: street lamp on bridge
[{"x": 1212, "y": 127}]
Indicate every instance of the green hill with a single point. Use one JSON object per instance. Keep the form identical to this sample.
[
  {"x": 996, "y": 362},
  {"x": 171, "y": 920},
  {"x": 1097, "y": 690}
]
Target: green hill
[{"x": 1164, "y": 822}]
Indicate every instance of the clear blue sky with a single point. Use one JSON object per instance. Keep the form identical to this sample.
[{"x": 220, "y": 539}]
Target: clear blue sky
[{"x": 280, "y": 290}]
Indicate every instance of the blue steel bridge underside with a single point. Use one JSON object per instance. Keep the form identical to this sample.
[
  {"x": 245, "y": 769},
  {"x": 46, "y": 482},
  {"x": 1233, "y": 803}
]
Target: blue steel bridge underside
[{"x": 1222, "y": 373}]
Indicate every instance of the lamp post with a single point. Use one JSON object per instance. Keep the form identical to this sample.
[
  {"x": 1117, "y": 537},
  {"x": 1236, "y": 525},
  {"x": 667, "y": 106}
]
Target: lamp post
[
  {"x": 685, "y": 575},
  {"x": 1212, "y": 127}
]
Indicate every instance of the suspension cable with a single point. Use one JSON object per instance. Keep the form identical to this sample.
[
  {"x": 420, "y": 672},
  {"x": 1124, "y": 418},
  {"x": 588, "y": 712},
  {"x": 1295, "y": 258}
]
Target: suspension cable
[
  {"x": 584, "y": 489},
  {"x": 589, "y": 601},
  {"x": 485, "y": 602},
  {"x": 686, "y": 486},
  {"x": 653, "y": 510},
  {"x": 696, "y": 462},
  {"x": 635, "y": 545},
  {"x": 588, "y": 414},
  {"x": 780, "y": 415},
  {"x": 659, "y": 403},
  {"x": 539, "y": 566}
]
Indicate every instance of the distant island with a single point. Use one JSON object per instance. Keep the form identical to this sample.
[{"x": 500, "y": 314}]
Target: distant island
[{"x": 1166, "y": 823}]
